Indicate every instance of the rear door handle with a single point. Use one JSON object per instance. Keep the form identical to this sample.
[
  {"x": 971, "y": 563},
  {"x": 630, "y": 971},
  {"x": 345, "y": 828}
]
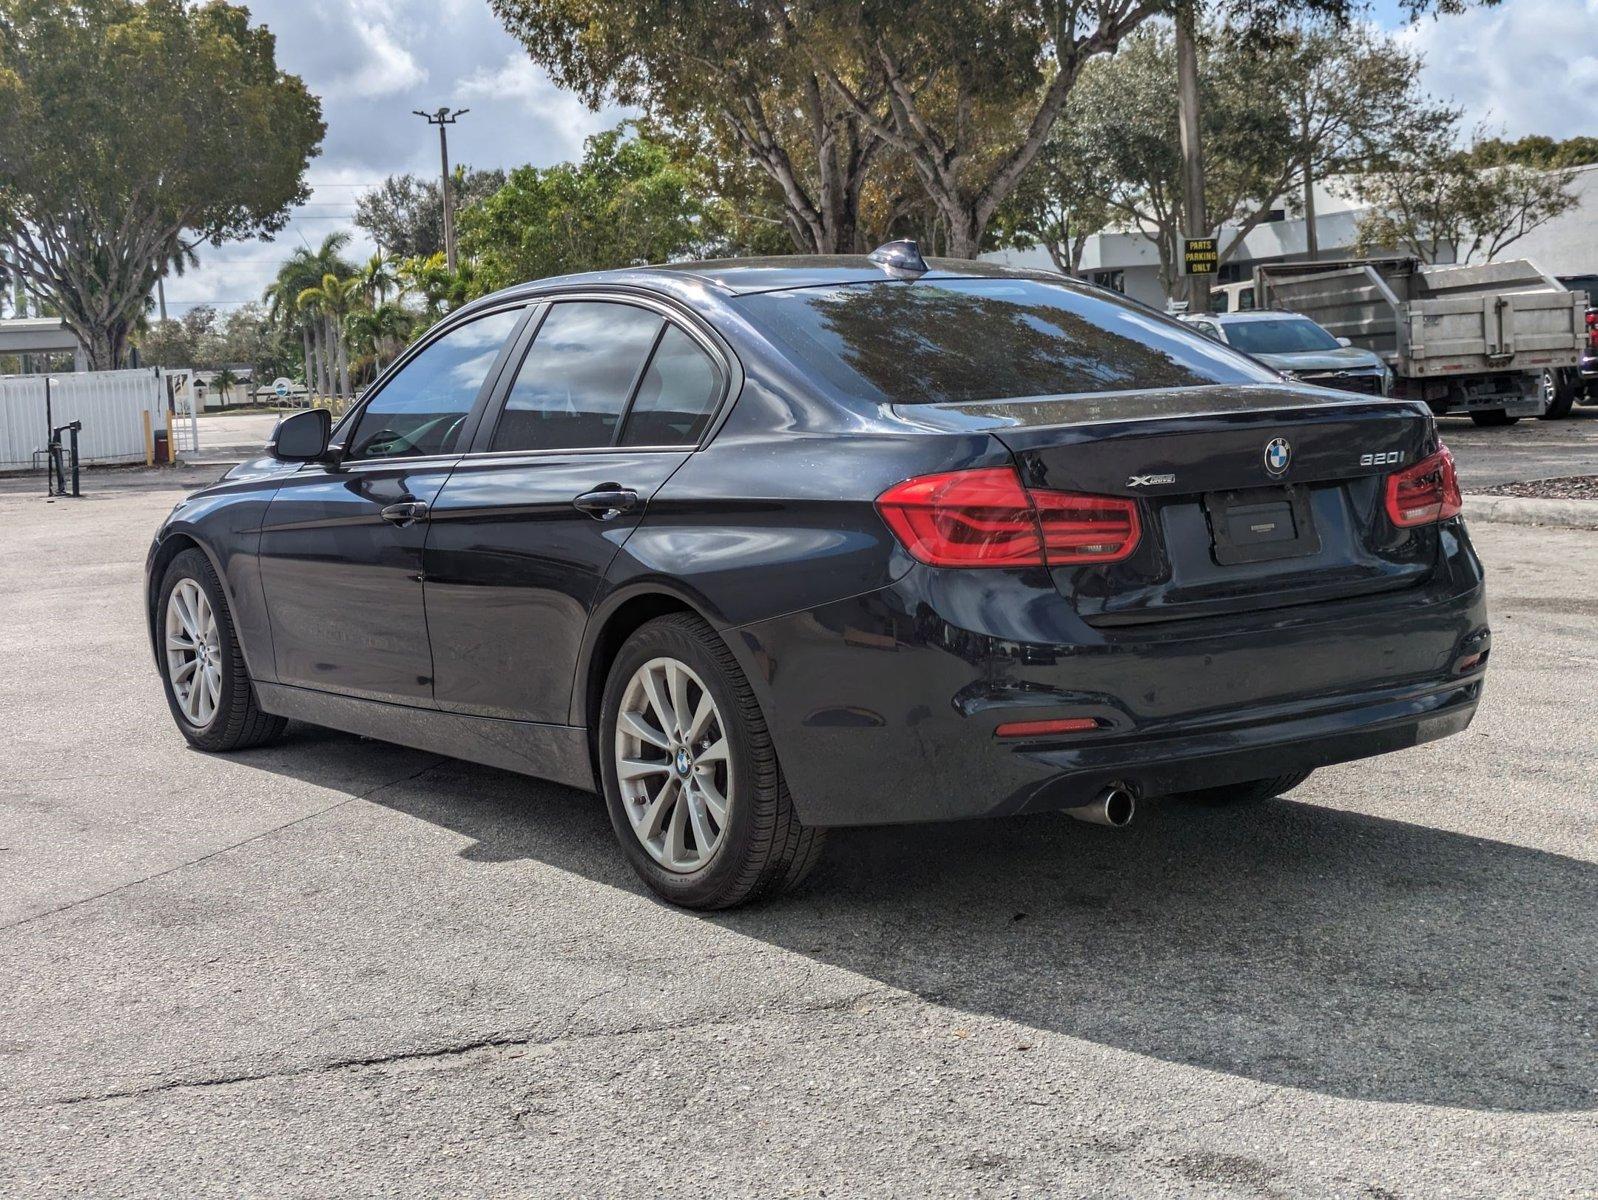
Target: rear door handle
[
  {"x": 407, "y": 513},
  {"x": 606, "y": 502}
]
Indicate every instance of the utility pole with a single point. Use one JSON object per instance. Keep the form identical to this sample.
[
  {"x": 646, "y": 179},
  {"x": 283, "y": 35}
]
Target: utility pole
[
  {"x": 1312, "y": 240},
  {"x": 1187, "y": 88},
  {"x": 442, "y": 118}
]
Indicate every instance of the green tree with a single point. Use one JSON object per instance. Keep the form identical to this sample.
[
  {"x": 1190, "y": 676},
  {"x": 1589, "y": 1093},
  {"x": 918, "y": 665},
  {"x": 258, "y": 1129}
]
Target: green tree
[
  {"x": 626, "y": 202},
  {"x": 405, "y": 215},
  {"x": 303, "y": 269},
  {"x": 332, "y": 300},
  {"x": 1444, "y": 202},
  {"x": 724, "y": 72},
  {"x": 1537, "y": 150},
  {"x": 135, "y": 131},
  {"x": 223, "y": 382},
  {"x": 1061, "y": 201},
  {"x": 380, "y": 331},
  {"x": 1276, "y": 116}
]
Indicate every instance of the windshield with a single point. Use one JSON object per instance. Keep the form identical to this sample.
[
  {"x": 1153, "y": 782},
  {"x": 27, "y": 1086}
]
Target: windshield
[
  {"x": 952, "y": 340},
  {"x": 1290, "y": 335}
]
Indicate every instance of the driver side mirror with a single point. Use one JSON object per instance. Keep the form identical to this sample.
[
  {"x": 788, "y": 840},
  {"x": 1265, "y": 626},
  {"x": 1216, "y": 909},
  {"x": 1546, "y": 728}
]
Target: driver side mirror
[
  {"x": 302, "y": 436},
  {"x": 1344, "y": 343}
]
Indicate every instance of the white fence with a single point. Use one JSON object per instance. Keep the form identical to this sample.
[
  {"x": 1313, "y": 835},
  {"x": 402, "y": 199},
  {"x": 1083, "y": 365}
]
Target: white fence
[{"x": 110, "y": 404}]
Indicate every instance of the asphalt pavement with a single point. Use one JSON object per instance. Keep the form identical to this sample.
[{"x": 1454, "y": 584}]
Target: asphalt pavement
[
  {"x": 1529, "y": 449},
  {"x": 337, "y": 967}
]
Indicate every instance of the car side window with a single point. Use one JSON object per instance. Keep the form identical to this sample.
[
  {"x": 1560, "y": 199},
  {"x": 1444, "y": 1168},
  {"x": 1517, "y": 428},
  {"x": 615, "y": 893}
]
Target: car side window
[
  {"x": 676, "y": 395},
  {"x": 577, "y": 377},
  {"x": 422, "y": 409}
]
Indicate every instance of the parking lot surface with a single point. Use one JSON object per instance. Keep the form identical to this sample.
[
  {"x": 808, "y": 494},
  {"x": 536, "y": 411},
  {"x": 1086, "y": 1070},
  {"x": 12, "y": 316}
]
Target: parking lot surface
[
  {"x": 1529, "y": 449},
  {"x": 338, "y": 967}
]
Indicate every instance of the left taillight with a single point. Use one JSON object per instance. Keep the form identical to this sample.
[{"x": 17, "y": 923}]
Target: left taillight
[
  {"x": 1426, "y": 493},
  {"x": 986, "y": 517}
]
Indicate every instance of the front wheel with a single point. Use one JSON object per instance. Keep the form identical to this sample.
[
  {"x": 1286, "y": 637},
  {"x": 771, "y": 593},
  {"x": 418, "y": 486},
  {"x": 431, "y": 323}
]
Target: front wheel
[
  {"x": 1492, "y": 417},
  {"x": 695, "y": 793},
  {"x": 1251, "y": 792},
  {"x": 207, "y": 684}
]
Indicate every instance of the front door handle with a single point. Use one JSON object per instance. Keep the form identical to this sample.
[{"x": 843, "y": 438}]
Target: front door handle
[
  {"x": 407, "y": 513},
  {"x": 606, "y": 502}
]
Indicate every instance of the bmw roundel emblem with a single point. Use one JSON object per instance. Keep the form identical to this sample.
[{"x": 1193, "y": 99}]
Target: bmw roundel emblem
[{"x": 1278, "y": 453}]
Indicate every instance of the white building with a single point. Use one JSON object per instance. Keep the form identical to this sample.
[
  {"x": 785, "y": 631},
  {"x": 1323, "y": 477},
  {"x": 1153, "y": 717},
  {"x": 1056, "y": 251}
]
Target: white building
[{"x": 1128, "y": 262}]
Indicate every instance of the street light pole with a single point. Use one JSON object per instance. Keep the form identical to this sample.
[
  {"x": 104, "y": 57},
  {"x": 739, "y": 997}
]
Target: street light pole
[{"x": 444, "y": 117}]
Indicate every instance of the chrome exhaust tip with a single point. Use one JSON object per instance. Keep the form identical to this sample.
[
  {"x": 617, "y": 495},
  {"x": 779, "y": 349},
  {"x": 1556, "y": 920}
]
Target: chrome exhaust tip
[{"x": 1115, "y": 806}]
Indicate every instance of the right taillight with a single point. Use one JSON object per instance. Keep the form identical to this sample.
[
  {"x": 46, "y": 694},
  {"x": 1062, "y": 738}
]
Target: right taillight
[
  {"x": 1426, "y": 493},
  {"x": 987, "y": 518}
]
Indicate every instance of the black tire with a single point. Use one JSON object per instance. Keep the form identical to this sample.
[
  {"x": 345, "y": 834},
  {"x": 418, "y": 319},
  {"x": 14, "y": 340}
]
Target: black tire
[
  {"x": 1251, "y": 792},
  {"x": 238, "y": 722},
  {"x": 763, "y": 848},
  {"x": 1492, "y": 417},
  {"x": 1559, "y": 390}
]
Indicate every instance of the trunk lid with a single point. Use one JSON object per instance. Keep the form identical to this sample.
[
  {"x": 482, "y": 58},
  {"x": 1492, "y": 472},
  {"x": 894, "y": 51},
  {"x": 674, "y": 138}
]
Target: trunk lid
[{"x": 1250, "y": 498}]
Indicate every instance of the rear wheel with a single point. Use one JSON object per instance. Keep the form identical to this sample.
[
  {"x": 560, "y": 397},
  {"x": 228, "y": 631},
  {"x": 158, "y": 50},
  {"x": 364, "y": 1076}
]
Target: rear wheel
[
  {"x": 1492, "y": 416},
  {"x": 208, "y": 687},
  {"x": 695, "y": 792},
  {"x": 1251, "y": 792},
  {"x": 1559, "y": 390}
]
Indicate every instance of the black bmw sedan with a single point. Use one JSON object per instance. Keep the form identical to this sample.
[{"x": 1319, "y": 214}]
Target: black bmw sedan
[{"x": 759, "y": 548}]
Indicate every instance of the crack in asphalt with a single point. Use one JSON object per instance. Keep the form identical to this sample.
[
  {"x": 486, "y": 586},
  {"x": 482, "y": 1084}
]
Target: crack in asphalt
[
  {"x": 890, "y": 996},
  {"x": 254, "y": 837}
]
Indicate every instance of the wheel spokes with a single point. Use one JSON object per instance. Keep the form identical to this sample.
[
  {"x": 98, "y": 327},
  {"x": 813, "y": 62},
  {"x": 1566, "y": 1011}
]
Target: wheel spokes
[
  {"x": 641, "y": 729},
  {"x": 676, "y": 796},
  {"x": 704, "y": 839},
  {"x": 659, "y": 701},
  {"x": 714, "y": 801},
  {"x": 635, "y": 768}
]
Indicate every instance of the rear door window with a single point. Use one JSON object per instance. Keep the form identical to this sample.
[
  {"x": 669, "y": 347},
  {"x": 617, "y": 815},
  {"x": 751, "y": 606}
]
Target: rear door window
[
  {"x": 575, "y": 381},
  {"x": 955, "y": 340},
  {"x": 676, "y": 396}
]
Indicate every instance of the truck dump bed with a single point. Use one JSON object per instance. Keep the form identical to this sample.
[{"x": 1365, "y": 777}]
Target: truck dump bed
[{"x": 1435, "y": 322}]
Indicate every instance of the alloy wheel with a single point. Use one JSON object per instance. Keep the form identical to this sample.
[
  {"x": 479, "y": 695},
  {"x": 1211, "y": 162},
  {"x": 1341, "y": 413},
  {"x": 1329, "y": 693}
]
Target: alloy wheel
[
  {"x": 673, "y": 765},
  {"x": 193, "y": 653}
]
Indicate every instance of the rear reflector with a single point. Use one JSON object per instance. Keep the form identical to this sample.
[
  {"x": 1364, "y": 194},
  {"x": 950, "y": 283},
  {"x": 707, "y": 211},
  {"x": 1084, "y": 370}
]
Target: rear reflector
[
  {"x": 1038, "y": 728},
  {"x": 1426, "y": 493},
  {"x": 987, "y": 518}
]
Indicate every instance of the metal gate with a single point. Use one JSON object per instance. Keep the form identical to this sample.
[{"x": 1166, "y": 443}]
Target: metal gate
[{"x": 184, "y": 404}]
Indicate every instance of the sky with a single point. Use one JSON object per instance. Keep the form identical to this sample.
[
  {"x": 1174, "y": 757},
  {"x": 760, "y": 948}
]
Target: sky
[{"x": 1524, "y": 66}]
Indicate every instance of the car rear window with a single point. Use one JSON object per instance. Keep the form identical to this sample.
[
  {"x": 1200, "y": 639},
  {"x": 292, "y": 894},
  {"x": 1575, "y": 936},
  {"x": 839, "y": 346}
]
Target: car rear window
[
  {"x": 940, "y": 341},
  {"x": 1289, "y": 335}
]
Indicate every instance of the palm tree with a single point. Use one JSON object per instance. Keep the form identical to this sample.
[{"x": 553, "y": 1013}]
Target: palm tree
[
  {"x": 223, "y": 381},
  {"x": 378, "y": 277},
  {"x": 332, "y": 300},
  {"x": 301, "y": 270},
  {"x": 382, "y": 326}
]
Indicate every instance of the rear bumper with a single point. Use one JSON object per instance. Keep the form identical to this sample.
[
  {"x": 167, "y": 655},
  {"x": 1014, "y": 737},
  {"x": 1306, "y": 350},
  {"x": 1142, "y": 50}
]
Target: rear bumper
[{"x": 883, "y": 707}]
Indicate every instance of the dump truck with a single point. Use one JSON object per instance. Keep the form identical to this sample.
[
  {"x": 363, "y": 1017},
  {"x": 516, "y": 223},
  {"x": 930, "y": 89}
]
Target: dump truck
[{"x": 1472, "y": 339}]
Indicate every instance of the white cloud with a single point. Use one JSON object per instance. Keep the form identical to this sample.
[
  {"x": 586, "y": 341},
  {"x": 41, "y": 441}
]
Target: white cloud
[
  {"x": 382, "y": 66},
  {"x": 564, "y": 119},
  {"x": 1526, "y": 66}
]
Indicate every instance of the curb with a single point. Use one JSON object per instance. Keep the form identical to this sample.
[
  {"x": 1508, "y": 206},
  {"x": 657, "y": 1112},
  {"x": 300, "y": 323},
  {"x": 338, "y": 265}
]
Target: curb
[{"x": 1519, "y": 510}]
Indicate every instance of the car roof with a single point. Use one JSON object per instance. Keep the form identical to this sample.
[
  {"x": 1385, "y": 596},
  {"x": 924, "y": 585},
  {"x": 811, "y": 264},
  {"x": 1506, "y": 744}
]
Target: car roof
[
  {"x": 1258, "y": 314},
  {"x": 743, "y": 276}
]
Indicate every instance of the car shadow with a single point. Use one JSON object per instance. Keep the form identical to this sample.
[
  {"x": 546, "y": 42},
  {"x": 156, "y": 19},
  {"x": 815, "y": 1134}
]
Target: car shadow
[{"x": 1286, "y": 943}]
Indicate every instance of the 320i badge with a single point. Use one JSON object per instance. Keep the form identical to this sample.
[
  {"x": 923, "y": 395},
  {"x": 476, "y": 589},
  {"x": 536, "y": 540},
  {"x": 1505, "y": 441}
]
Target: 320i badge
[{"x": 761, "y": 548}]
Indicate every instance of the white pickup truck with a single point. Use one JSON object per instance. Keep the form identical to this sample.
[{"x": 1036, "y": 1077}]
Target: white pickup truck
[{"x": 1470, "y": 339}]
